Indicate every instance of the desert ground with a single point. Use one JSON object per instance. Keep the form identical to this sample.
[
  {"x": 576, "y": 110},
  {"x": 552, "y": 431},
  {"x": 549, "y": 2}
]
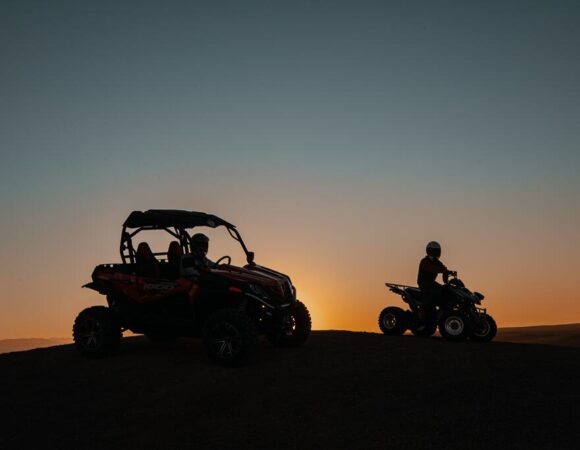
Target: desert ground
[
  {"x": 19, "y": 345},
  {"x": 562, "y": 335},
  {"x": 344, "y": 390}
]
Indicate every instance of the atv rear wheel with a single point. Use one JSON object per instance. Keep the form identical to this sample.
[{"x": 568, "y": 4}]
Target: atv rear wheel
[
  {"x": 229, "y": 337},
  {"x": 485, "y": 330},
  {"x": 393, "y": 321},
  {"x": 454, "y": 326},
  {"x": 96, "y": 332},
  {"x": 295, "y": 329}
]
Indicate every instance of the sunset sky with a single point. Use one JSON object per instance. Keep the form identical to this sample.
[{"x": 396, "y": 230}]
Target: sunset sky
[{"x": 340, "y": 136}]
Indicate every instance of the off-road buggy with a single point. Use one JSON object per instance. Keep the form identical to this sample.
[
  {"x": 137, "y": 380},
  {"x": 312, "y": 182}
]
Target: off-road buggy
[
  {"x": 162, "y": 296},
  {"x": 458, "y": 318}
]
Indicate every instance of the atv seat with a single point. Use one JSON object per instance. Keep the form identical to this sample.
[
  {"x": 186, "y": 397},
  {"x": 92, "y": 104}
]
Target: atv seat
[
  {"x": 415, "y": 294},
  {"x": 147, "y": 264}
]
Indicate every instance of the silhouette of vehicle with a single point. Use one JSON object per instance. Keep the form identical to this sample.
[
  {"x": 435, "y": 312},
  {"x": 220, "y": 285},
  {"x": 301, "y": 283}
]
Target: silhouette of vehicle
[
  {"x": 231, "y": 305},
  {"x": 459, "y": 318}
]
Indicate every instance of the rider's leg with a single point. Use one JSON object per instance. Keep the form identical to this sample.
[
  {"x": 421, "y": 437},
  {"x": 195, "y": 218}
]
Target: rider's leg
[
  {"x": 428, "y": 300},
  {"x": 424, "y": 310},
  {"x": 431, "y": 298}
]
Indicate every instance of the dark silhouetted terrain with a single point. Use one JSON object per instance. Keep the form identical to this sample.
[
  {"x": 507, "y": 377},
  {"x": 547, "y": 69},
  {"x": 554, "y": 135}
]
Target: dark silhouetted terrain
[
  {"x": 342, "y": 390},
  {"x": 563, "y": 335},
  {"x": 18, "y": 345}
]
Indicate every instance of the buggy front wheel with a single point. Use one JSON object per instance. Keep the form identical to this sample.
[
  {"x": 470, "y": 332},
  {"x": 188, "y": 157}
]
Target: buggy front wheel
[
  {"x": 96, "y": 332},
  {"x": 295, "y": 328}
]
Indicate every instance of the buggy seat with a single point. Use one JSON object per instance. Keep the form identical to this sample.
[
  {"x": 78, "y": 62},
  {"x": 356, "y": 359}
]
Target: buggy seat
[{"x": 147, "y": 264}]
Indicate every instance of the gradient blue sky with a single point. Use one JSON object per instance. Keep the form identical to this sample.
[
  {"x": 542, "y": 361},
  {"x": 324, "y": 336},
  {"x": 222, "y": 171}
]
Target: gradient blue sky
[{"x": 352, "y": 131}]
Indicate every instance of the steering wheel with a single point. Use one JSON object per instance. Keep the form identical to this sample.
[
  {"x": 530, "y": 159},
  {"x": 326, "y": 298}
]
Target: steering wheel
[{"x": 217, "y": 263}]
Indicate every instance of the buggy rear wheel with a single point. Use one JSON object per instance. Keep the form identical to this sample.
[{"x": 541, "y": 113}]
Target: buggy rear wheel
[
  {"x": 454, "y": 326},
  {"x": 484, "y": 330},
  {"x": 393, "y": 321},
  {"x": 96, "y": 332},
  {"x": 295, "y": 328},
  {"x": 229, "y": 337}
]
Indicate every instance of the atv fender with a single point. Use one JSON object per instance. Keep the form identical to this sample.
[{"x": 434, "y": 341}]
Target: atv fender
[{"x": 95, "y": 287}]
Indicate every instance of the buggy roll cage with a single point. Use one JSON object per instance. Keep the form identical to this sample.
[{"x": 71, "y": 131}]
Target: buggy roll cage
[{"x": 176, "y": 223}]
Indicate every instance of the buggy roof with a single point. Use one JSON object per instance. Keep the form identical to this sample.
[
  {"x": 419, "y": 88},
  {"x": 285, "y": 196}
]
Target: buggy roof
[{"x": 173, "y": 218}]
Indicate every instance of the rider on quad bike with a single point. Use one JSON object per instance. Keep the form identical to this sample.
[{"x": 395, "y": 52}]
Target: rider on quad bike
[
  {"x": 433, "y": 293},
  {"x": 180, "y": 292},
  {"x": 451, "y": 307}
]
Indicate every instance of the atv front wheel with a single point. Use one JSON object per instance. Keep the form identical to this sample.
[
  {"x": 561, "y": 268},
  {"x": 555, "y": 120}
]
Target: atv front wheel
[
  {"x": 393, "y": 321},
  {"x": 485, "y": 330},
  {"x": 229, "y": 337},
  {"x": 454, "y": 326},
  {"x": 96, "y": 332},
  {"x": 295, "y": 329}
]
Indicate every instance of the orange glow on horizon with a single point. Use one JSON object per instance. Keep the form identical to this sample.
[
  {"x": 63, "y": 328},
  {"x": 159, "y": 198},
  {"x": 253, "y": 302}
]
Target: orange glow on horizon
[{"x": 338, "y": 258}]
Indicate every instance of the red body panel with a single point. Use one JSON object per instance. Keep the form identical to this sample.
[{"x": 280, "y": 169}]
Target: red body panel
[
  {"x": 266, "y": 278},
  {"x": 145, "y": 290}
]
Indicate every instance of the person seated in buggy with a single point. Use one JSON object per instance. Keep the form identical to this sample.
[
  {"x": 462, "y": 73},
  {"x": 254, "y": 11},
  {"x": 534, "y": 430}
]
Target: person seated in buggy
[
  {"x": 199, "y": 247},
  {"x": 191, "y": 265}
]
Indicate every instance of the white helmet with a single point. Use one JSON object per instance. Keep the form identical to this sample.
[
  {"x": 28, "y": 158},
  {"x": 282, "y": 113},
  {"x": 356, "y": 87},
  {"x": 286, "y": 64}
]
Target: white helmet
[{"x": 434, "y": 249}]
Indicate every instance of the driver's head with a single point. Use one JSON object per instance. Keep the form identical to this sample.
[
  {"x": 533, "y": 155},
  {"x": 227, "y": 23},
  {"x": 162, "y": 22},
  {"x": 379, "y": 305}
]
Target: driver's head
[
  {"x": 200, "y": 243},
  {"x": 434, "y": 249}
]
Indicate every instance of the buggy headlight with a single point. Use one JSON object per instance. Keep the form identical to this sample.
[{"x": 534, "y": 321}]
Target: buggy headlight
[{"x": 258, "y": 290}]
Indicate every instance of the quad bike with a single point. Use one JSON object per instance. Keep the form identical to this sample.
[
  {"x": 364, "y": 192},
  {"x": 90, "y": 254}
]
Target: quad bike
[
  {"x": 458, "y": 319},
  {"x": 170, "y": 297}
]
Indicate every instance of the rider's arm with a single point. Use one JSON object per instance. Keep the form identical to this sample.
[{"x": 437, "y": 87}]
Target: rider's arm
[
  {"x": 435, "y": 266},
  {"x": 443, "y": 270},
  {"x": 446, "y": 272}
]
